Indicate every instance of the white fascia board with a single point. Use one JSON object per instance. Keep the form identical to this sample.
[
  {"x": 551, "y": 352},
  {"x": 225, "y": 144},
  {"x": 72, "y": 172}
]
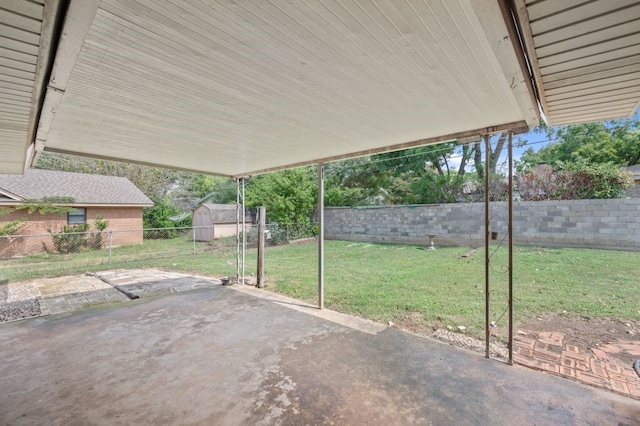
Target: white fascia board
[
  {"x": 496, "y": 21},
  {"x": 77, "y": 23}
]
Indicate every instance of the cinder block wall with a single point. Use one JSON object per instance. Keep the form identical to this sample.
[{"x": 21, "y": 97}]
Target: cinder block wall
[
  {"x": 125, "y": 222},
  {"x": 610, "y": 224}
]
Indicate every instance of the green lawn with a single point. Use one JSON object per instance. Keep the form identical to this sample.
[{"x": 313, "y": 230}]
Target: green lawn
[
  {"x": 153, "y": 253},
  {"x": 440, "y": 288},
  {"x": 395, "y": 282}
]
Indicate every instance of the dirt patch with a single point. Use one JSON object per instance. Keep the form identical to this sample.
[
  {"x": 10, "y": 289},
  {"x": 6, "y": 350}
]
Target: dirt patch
[
  {"x": 588, "y": 333},
  {"x": 584, "y": 333},
  {"x": 412, "y": 322}
]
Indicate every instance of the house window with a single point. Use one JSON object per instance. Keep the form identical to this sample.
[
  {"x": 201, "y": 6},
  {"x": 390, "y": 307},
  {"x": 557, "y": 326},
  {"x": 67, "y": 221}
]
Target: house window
[{"x": 77, "y": 216}]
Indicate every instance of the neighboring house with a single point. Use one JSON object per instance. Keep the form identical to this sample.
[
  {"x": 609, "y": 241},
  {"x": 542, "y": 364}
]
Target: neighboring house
[
  {"x": 635, "y": 174},
  {"x": 115, "y": 199},
  {"x": 217, "y": 221}
]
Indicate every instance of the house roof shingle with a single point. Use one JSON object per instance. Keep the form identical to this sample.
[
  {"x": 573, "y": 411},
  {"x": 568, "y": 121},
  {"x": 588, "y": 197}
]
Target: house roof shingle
[{"x": 85, "y": 189}]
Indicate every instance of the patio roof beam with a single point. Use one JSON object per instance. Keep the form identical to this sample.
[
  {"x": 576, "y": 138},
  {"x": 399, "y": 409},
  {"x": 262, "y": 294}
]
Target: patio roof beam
[{"x": 515, "y": 127}]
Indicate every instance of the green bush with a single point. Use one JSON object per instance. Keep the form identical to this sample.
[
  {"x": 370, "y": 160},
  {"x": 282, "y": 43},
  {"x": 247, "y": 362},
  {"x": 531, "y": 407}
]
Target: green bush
[
  {"x": 95, "y": 240},
  {"x": 432, "y": 188},
  {"x": 589, "y": 181},
  {"x": 573, "y": 181},
  {"x": 72, "y": 238},
  {"x": 160, "y": 216}
]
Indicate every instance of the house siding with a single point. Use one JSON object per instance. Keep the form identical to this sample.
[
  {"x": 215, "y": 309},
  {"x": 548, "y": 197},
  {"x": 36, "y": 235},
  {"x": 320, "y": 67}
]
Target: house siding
[{"x": 125, "y": 222}]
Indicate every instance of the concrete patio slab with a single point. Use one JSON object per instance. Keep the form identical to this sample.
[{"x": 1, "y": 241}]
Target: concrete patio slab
[
  {"x": 150, "y": 282},
  {"x": 221, "y": 356},
  {"x": 64, "y": 294}
]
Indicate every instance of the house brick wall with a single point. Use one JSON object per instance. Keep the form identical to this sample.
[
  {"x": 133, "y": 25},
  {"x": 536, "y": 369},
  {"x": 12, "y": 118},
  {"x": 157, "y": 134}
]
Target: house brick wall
[
  {"x": 610, "y": 224},
  {"x": 125, "y": 222}
]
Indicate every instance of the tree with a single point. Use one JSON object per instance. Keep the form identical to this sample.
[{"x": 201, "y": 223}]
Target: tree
[
  {"x": 222, "y": 190},
  {"x": 356, "y": 182},
  {"x": 572, "y": 181},
  {"x": 433, "y": 188},
  {"x": 289, "y": 196},
  {"x": 394, "y": 177},
  {"x": 418, "y": 159},
  {"x": 494, "y": 156},
  {"x": 162, "y": 215},
  {"x": 616, "y": 142},
  {"x": 153, "y": 181}
]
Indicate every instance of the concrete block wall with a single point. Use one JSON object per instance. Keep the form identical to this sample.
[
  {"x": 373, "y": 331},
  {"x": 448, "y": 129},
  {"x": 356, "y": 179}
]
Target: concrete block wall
[{"x": 610, "y": 224}]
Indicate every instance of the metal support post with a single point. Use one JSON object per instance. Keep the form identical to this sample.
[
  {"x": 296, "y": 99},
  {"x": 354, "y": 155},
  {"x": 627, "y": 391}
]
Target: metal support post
[
  {"x": 510, "y": 230},
  {"x": 193, "y": 234},
  {"x": 261, "y": 246},
  {"x": 321, "y": 236},
  {"x": 237, "y": 230},
  {"x": 110, "y": 246},
  {"x": 244, "y": 232},
  {"x": 487, "y": 167}
]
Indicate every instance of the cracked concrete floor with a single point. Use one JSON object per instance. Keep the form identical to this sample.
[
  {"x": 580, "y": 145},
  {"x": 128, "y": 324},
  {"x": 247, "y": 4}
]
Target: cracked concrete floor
[{"x": 222, "y": 356}]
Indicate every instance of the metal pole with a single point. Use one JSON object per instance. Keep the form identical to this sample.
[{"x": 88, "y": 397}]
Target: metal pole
[
  {"x": 244, "y": 232},
  {"x": 321, "y": 236},
  {"x": 487, "y": 166},
  {"x": 237, "y": 230},
  {"x": 510, "y": 230},
  {"x": 110, "y": 245},
  {"x": 193, "y": 234},
  {"x": 261, "y": 246}
]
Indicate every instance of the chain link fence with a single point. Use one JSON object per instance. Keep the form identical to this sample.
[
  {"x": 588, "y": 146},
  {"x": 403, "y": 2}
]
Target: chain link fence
[{"x": 23, "y": 256}]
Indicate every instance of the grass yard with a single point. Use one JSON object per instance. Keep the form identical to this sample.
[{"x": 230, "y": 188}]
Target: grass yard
[
  {"x": 153, "y": 253},
  {"x": 402, "y": 284},
  {"x": 441, "y": 288}
]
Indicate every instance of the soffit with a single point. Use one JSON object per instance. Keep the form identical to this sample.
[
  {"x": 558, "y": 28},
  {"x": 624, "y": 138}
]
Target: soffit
[
  {"x": 585, "y": 57},
  {"x": 20, "y": 30},
  {"x": 236, "y": 88}
]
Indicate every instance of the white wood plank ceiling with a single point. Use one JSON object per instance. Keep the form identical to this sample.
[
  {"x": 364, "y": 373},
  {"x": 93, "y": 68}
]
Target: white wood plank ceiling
[
  {"x": 240, "y": 87},
  {"x": 20, "y": 29},
  {"x": 585, "y": 56}
]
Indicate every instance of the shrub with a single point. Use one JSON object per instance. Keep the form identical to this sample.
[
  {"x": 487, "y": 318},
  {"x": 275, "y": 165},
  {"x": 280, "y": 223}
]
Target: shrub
[
  {"x": 573, "y": 181},
  {"x": 95, "y": 239},
  {"x": 72, "y": 238},
  {"x": 595, "y": 181},
  {"x": 161, "y": 216}
]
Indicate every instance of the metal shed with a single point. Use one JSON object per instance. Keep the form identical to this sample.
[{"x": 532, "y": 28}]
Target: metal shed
[{"x": 213, "y": 221}]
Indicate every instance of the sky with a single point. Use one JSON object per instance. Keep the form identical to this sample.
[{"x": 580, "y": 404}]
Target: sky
[{"x": 535, "y": 140}]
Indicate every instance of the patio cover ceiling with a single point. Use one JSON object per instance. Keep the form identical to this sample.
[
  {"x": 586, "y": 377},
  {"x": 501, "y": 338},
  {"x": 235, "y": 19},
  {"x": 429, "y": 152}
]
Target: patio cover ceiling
[
  {"x": 242, "y": 87},
  {"x": 585, "y": 57}
]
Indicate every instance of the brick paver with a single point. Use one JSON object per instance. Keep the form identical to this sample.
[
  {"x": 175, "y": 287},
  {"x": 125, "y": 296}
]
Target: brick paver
[{"x": 547, "y": 351}]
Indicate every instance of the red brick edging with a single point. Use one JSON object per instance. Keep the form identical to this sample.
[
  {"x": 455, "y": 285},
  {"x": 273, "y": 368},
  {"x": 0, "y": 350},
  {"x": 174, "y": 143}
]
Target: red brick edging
[{"x": 548, "y": 352}]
